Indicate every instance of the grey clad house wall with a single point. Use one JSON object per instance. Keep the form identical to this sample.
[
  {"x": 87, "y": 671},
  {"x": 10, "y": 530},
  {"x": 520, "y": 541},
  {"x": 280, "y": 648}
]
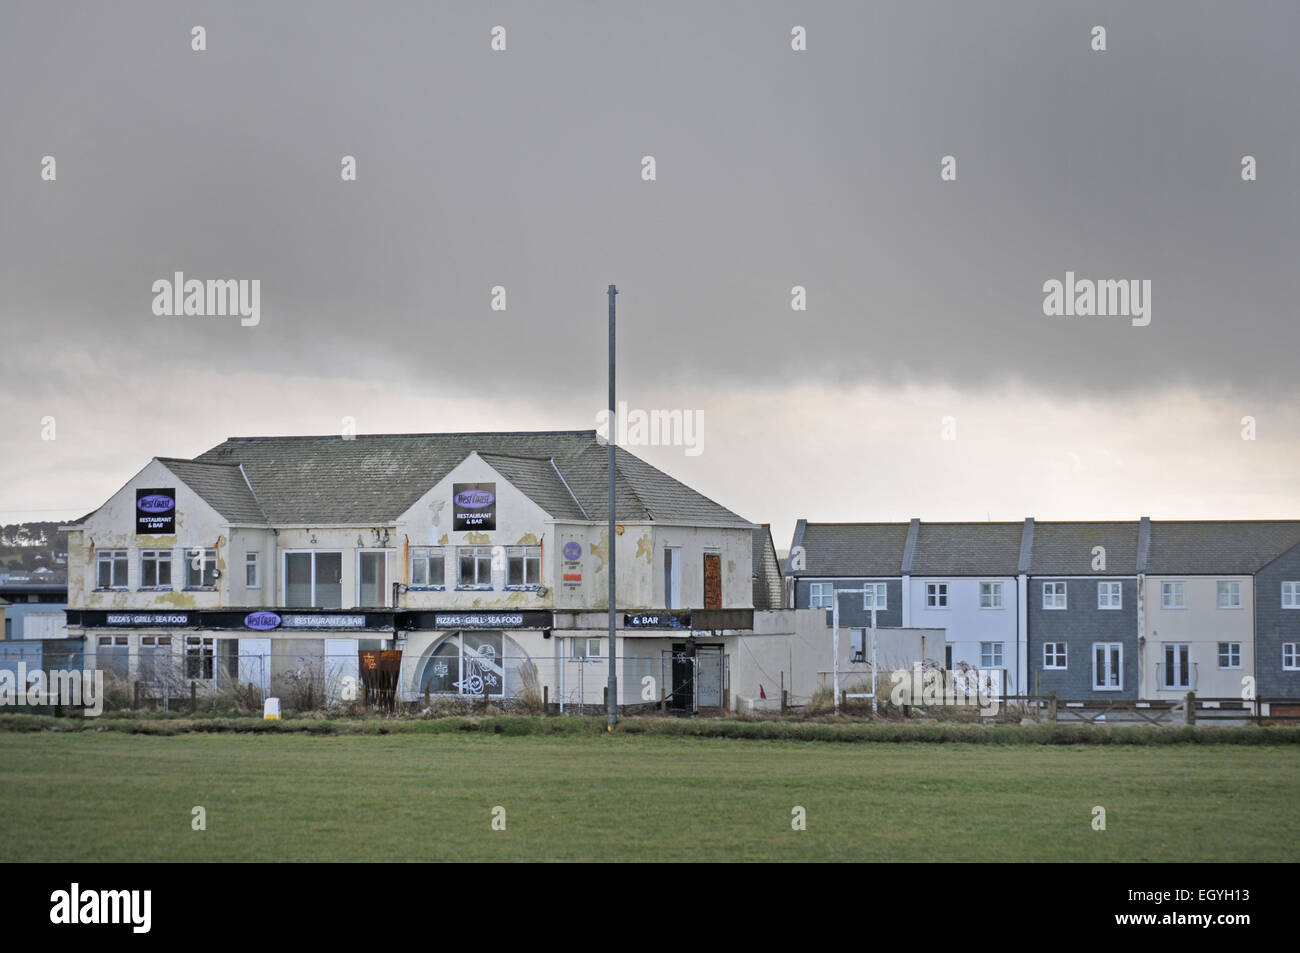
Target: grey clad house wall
[
  {"x": 1079, "y": 625},
  {"x": 1274, "y": 626},
  {"x": 852, "y": 615}
]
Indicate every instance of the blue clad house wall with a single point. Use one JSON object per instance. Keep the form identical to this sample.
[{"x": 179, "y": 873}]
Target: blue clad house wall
[
  {"x": 1275, "y": 626},
  {"x": 1080, "y": 625},
  {"x": 852, "y": 615}
]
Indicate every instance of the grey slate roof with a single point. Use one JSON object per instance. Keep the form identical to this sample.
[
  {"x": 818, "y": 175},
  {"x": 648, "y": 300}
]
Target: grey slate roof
[
  {"x": 1065, "y": 549},
  {"x": 767, "y": 570},
  {"x": 967, "y": 549},
  {"x": 375, "y": 478},
  {"x": 852, "y": 549},
  {"x": 1218, "y": 546},
  {"x": 221, "y": 485}
]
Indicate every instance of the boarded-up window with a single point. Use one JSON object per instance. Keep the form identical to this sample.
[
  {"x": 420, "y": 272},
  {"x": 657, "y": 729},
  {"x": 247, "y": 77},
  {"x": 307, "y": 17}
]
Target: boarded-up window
[{"x": 712, "y": 581}]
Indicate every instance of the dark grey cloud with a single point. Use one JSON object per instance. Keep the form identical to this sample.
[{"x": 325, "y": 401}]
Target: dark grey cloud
[{"x": 775, "y": 169}]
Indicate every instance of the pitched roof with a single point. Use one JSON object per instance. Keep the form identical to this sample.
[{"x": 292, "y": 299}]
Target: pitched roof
[
  {"x": 376, "y": 478},
  {"x": 1065, "y": 549},
  {"x": 768, "y": 587},
  {"x": 967, "y": 549},
  {"x": 852, "y": 549},
  {"x": 221, "y": 485},
  {"x": 1218, "y": 546}
]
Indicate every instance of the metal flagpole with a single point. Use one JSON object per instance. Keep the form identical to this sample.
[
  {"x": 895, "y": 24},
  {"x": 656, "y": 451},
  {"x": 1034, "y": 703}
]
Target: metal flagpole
[{"x": 612, "y": 424}]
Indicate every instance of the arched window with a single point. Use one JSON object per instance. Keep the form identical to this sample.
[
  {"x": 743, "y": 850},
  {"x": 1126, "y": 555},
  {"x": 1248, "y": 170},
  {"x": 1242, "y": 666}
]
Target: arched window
[{"x": 467, "y": 663}]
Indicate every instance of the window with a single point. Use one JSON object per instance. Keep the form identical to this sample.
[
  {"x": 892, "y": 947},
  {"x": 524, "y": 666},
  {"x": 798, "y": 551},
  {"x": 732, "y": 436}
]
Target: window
[
  {"x": 1229, "y": 595},
  {"x": 1053, "y": 595},
  {"x": 523, "y": 567},
  {"x": 936, "y": 595},
  {"x": 199, "y": 653},
  {"x": 200, "y": 568},
  {"x": 252, "y": 571},
  {"x": 475, "y": 567},
  {"x": 1291, "y": 656},
  {"x": 1291, "y": 595},
  {"x": 466, "y": 664},
  {"x": 673, "y": 577},
  {"x": 428, "y": 568},
  {"x": 1177, "y": 667},
  {"x": 114, "y": 655},
  {"x": 1110, "y": 595},
  {"x": 947, "y": 658},
  {"x": 990, "y": 595},
  {"x": 155, "y": 569},
  {"x": 110, "y": 569},
  {"x": 1054, "y": 655},
  {"x": 857, "y": 645},
  {"x": 372, "y": 579},
  {"x": 821, "y": 595},
  {"x": 875, "y": 595},
  {"x": 1229, "y": 655},
  {"x": 990, "y": 655},
  {"x": 581, "y": 648},
  {"x": 1171, "y": 595},
  {"x": 1107, "y": 666},
  {"x": 313, "y": 580},
  {"x": 155, "y": 654}
]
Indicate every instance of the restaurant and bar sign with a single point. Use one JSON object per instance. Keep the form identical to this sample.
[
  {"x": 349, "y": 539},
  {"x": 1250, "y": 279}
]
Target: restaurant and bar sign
[
  {"x": 473, "y": 506},
  {"x": 155, "y": 511},
  {"x": 525, "y": 619},
  {"x": 657, "y": 620}
]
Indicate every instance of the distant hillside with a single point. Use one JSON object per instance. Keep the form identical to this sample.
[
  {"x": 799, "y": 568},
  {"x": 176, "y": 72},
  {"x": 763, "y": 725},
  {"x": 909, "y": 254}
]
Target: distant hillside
[{"x": 32, "y": 545}]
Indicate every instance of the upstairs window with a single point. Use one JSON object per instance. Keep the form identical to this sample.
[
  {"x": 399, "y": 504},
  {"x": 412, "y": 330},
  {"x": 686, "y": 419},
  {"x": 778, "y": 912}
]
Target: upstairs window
[
  {"x": 475, "y": 567},
  {"x": 155, "y": 569},
  {"x": 200, "y": 568},
  {"x": 372, "y": 578},
  {"x": 1229, "y": 595},
  {"x": 1053, "y": 595},
  {"x": 1054, "y": 655},
  {"x": 821, "y": 595},
  {"x": 1110, "y": 595},
  {"x": 428, "y": 567},
  {"x": 523, "y": 567},
  {"x": 936, "y": 595},
  {"x": 1172, "y": 595},
  {"x": 990, "y": 595},
  {"x": 313, "y": 580},
  {"x": 875, "y": 596},
  {"x": 110, "y": 569},
  {"x": 252, "y": 571},
  {"x": 1291, "y": 595}
]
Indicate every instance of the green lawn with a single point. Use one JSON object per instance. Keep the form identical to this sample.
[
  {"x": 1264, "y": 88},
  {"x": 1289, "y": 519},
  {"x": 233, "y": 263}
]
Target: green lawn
[{"x": 107, "y": 796}]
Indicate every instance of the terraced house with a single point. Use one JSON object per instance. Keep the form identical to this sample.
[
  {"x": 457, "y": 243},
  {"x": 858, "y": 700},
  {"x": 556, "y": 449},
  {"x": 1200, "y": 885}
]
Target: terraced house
[
  {"x": 1137, "y": 609},
  {"x": 284, "y": 562}
]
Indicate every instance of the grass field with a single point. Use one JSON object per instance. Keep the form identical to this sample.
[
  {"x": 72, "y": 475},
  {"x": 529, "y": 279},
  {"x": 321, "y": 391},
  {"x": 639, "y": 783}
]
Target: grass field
[{"x": 112, "y": 796}]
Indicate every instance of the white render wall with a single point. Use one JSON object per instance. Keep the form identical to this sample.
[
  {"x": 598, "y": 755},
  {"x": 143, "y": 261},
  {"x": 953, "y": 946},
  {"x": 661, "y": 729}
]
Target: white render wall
[
  {"x": 967, "y": 625},
  {"x": 1203, "y": 625}
]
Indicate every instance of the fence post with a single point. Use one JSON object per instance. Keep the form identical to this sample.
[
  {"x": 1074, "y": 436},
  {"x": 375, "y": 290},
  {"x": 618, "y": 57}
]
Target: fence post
[
  {"x": 784, "y": 703},
  {"x": 844, "y": 698},
  {"x": 426, "y": 696},
  {"x": 604, "y": 698},
  {"x": 1189, "y": 712},
  {"x": 1051, "y": 705},
  {"x": 194, "y": 696},
  {"x": 546, "y": 699},
  {"x": 485, "y": 697},
  {"x": 135, "y": 701}
]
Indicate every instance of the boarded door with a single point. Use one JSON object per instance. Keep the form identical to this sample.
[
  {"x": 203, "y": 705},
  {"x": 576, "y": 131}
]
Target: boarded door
[
  {"x": 708, "y": 684},
  {"x": 713, "y": 580}
]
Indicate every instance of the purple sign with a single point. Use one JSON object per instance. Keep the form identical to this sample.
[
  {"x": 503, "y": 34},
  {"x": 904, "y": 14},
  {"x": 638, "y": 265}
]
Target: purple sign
[
  {"x": 573, "y": 551},
  {"x": 474, "y": 506},
  {"x": 261, "y": 621},
  {"x": 155, "y": 510}
]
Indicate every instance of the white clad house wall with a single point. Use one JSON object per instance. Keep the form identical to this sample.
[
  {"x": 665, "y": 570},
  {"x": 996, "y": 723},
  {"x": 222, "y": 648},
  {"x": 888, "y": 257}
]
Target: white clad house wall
[{"x": 967, "y": 625}]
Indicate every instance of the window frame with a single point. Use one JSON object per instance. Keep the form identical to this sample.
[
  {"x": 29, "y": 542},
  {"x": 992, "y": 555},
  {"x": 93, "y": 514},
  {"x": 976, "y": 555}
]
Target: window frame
[
  {"x": 933, "y": 592},
  {"x": 1293, "y": 649},
  {"x": 1064, "y": 594},
  {"x": 875, "y": 592},
  {"x": 206, "y": 660},
  {"x": 1114, "y": 595},
  {"x": 189, "y": 554},
  {"x": 159, "y": 558},
  {"x": 253, "y": 561},
  {"x": 1113, "y": 666},
  {"x": 1295, "y": 594},
  {"x": 1225, "y": 649},
  {"x": 1178, "y": 586},
  {"x": 526, "y": 555},
  {"x": 1232, "y": 585},
  {"x": 427, "y": 554},
  {"x": 113, "y": 557},
  {"x": 1184, "y": 670},
  {"x": 987, "y": 652},
  {"x": 477, "y": 553},
  {"x": 994, "y": 586},
  {"x": 1056, "y": 656},
  {"x": 817, "y": 595},
  {"x": 312, "y": 599}
]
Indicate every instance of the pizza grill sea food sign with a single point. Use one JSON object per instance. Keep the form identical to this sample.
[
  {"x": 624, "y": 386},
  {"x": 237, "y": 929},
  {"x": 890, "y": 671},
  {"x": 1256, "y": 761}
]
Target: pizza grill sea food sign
[
  {"x": 155, "y": 511},
  {"x": 473, "y": 506}
]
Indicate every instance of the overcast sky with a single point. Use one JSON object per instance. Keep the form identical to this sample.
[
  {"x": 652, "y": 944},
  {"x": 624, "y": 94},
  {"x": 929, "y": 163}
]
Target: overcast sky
[{"x": 775, "y": 168}]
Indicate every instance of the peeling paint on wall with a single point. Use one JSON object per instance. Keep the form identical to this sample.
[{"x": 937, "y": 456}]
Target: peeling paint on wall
[
  {"x": 528, "y": 539},
  {"x": 645, "y": 548},
  {"x": 478, "y": 539}
]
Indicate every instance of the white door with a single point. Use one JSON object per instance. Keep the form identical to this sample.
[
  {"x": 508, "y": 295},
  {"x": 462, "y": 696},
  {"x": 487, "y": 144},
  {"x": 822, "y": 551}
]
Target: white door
[
  {"x": 342, "y": 670},
  {"x": 255, "y": 664}
]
